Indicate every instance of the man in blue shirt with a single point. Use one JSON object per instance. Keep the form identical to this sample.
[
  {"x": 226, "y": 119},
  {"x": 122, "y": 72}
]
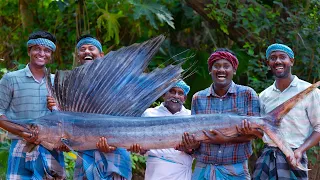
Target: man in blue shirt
[{"x": 23, "y": 96}]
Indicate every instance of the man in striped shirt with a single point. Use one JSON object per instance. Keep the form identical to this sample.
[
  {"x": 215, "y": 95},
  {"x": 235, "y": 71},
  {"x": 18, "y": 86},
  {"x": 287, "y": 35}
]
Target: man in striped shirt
[
  {"x": 300, "y": 127},
  {"x": 222, "y": 157},
  {"x": 23, "y": 96}
]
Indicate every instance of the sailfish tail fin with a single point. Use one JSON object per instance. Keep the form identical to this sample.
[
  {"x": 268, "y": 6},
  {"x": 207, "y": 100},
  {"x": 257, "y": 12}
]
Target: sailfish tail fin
[{"x": 280, "y": 111}]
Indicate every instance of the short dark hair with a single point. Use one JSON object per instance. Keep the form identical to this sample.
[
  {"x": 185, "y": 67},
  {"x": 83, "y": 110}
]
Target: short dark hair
[
  {"x": 225, "y": 50},
  {"x": 85, "y": 36},
  {"x": 42, "y": 34}
]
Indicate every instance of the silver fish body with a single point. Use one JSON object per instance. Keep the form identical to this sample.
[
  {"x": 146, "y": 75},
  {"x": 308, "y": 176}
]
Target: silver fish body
[{"x": 81, "y": 131}]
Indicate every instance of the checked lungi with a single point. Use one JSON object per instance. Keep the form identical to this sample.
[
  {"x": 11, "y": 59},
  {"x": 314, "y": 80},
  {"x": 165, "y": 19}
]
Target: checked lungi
[
  {"x": 95, "y": 165},
  {"x": 36, "y": 165},
  {"x": 272, "y": 164},
  {"x": 238, "y": 171}
]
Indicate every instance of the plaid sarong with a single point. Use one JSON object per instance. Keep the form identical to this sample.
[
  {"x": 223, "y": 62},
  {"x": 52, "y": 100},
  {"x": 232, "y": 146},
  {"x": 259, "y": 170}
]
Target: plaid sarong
[
  {"x": 38, "y": 164},
  {"x": 238, "y": 171},
  {"x": 272, "y": 164},
  {"x": 105, "y": 166}
]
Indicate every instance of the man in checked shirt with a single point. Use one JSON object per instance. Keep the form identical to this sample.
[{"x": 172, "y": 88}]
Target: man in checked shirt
[{"x": 222, "y": 157}]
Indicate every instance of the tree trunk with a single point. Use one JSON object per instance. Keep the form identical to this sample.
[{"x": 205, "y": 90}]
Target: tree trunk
[
  {"x": 314, "y": 174},
  {"x": 234, "y": 32},
  {"x": 27, "y": 16}
]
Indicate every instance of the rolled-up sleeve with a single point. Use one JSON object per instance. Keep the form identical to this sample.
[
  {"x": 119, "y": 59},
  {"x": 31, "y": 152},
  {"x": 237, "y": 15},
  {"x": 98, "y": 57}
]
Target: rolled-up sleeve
[
  {"x": 313, "y": 110},
  {"x": 5, "y": 94}
]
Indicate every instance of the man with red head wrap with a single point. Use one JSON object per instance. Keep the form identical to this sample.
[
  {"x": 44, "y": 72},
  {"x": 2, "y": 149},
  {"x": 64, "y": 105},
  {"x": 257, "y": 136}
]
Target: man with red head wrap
[
  {"x": 217, "y": 55},
  {"x": 222, "y": 157}
]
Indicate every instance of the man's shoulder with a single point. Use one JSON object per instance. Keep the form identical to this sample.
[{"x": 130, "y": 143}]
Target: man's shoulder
[
  {"x": 188, "y": 112},
  {"x": 185, "y": 111},
  {"x": 150, "y": 112},
  {"x": 13, "y": 74},
  {"x": 266, "y": 91},
  {"x": 303, "y": 84},
  {"x": 151, "y": 109},
  {"x": 203, "y": 92},
  {"x": 245, "y": 89}
]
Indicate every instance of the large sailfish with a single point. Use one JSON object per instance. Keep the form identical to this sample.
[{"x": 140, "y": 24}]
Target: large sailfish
[{"x": 107, "y": 97}]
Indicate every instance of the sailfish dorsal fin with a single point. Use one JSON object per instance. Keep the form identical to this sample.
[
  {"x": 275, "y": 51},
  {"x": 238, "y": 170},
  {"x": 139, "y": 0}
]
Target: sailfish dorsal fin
[{"x": 116, "y": 84}]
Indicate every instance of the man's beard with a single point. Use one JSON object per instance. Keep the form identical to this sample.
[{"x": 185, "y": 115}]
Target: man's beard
[{"x": 173, "y": 106}]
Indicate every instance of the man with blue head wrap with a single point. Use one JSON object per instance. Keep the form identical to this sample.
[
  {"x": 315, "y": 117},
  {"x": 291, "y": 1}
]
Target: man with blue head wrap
[
  {"x": 300, "y": 127},
  {"x": 88, "y": 49},
  {"x": 23, "y": 96},
  {"x": 107, "y": 162},
  {"x": 169, "y": 164}
]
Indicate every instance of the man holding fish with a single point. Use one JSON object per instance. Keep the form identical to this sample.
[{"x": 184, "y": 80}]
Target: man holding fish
[
  {"x": 300, "y": 128},
  {"x": 169, "y": 164},
  {"x": 23, "y": 96},
  {"x": 222, "y": 157},
  {"x": 107, "y": 161}
]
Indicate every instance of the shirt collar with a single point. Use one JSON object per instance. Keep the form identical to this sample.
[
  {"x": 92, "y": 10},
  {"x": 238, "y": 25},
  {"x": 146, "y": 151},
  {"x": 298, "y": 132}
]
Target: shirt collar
[
  {"x": 293, "y": 83},
  {"x": 28, "y": 71},
  {"x": 231, "y": 90}
]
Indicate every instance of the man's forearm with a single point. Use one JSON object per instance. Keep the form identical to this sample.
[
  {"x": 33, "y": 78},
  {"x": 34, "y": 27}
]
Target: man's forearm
[
  {"x": 311, "y": 141},
  {"x": 246, "y": 138},
  {"x": 11, "y": 127}
]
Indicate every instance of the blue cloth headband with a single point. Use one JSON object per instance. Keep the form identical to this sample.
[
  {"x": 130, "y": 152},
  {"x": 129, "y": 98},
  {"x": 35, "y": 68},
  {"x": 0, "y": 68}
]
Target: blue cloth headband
[
  {"x": 42, "y": 42},
  {"x": 89, "y": 40},
  {"x": 279, "y": 47},
  {"x": 181, "y": 84}
]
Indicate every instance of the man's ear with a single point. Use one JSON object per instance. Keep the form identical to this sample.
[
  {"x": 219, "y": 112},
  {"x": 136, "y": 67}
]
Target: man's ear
[
  {"x": 292, "y": 61},
  {"x": 29, "y": 49},
  {"x": 101, "y": 54},
  {"x": 185, "y": 98}
]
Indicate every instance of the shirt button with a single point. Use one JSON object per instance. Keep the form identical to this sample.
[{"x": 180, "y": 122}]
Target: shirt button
[
  {"x": 219, "y": 151},
  {"x": 220, "y": 99}
]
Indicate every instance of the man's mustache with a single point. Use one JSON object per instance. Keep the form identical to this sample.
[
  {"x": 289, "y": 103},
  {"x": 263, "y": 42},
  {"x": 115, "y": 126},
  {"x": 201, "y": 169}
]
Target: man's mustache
[{"x": 178, "y": 100}]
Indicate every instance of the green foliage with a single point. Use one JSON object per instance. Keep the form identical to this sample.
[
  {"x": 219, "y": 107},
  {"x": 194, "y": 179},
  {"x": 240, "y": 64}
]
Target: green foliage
[
  {"x": 295, "y": 24},
  {"x": 110, "y": 22},
  {"x": 222, "y": 14},
  {"x": 151, "y": 9},
  {"x": 138, "y": 164},
  {"x": 312, "y": 154},
  {"x": 69, "y": 160},
  {"x": 4, "y": 153}
]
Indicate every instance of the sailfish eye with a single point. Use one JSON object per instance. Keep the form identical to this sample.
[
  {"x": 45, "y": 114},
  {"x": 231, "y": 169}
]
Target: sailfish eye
[{"x": 64, "y": 140}]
